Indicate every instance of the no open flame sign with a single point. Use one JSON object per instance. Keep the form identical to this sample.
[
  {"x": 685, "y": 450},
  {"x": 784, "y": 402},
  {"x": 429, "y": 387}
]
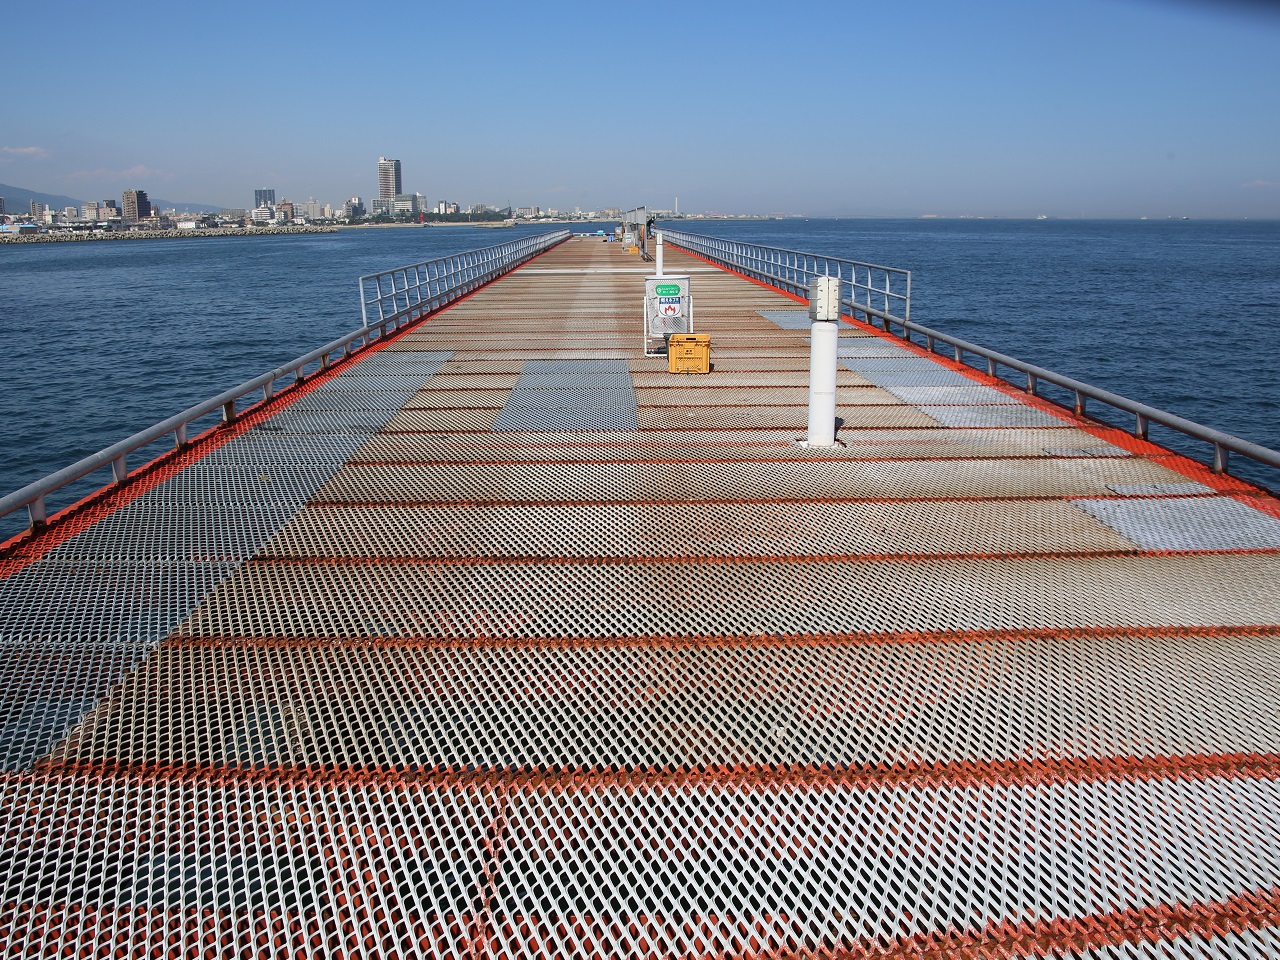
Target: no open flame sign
[{"x": 667, "y": 307}]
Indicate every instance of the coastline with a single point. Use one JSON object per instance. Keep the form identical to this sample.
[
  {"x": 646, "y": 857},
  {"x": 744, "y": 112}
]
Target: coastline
[
  {"x": 375, "y": 226},
  {"x": 450, "y": 223},
  {"x": 164, "y": 234}
]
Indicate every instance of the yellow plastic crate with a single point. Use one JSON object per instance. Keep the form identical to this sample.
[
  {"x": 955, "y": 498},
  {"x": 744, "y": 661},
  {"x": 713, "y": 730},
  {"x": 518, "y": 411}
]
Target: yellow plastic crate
[{"x": 689, "y": 353}]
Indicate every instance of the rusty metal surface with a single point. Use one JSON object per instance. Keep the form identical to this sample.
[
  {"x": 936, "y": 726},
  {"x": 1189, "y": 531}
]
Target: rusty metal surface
[
  {"x": 744, "y": 598},
  {"x": 504, "y": 642},
  {"x": 710, "y": 529},
  {"x": 832, "y": 479}
]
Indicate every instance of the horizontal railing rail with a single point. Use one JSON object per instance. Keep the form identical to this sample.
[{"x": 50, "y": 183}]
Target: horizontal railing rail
[
  {"x": 465, "y": 276},
  {"x": 422, "y": 288},
  {"x": 792, "y": 270},
  {"x": 1144, "y": 415},
  {"x": 866, "y": 289}
]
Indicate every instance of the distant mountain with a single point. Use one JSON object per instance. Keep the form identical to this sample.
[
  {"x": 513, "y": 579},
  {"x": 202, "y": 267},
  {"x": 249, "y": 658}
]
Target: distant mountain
[{"x": 18, "y": 200}]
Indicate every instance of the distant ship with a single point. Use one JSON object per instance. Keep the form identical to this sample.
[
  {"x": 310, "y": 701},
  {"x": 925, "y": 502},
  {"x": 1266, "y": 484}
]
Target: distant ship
[{"x": 1042, "y": 217}]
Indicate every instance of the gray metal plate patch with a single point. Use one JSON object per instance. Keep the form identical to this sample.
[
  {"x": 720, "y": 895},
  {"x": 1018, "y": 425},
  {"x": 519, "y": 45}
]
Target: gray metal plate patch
[
  {"x": 571, "y": 395},
  {"x": 1199, "y": 523}
]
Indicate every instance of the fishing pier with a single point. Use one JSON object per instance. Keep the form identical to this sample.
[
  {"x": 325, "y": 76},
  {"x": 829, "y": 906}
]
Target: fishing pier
[{"x": 477, "y": 633}]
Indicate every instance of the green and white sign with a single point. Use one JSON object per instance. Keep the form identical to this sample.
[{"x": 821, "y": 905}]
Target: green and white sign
[{"x": 668, "y": 307}]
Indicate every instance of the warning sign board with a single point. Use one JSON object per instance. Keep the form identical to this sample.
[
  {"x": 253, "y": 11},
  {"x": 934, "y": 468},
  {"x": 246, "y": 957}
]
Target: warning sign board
[{"x": 668, "y": 308}]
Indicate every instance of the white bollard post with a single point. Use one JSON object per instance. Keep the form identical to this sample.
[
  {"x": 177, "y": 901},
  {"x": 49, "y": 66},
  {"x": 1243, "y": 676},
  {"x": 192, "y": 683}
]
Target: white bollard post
[
  {"x": 658, "y": 252},
  {"x": 824, "y": 311}
]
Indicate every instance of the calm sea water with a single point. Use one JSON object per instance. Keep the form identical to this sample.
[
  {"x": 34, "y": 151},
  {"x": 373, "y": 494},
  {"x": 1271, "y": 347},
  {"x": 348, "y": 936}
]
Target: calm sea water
[{"x": 104, "y": 339}]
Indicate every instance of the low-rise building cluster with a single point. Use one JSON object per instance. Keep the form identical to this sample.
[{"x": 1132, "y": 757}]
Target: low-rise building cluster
[{"x": 135, "y": 211}]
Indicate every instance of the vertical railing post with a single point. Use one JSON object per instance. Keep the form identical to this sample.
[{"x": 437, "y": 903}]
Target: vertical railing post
[{"x": 37, "y": 513}]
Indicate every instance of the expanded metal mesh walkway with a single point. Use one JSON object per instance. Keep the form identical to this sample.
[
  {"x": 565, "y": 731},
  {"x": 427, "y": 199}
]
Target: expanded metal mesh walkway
[{"x": 502, "y": 641}]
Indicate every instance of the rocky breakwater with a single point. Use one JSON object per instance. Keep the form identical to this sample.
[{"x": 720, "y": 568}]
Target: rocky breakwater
[{"x": 60, "y": 237}]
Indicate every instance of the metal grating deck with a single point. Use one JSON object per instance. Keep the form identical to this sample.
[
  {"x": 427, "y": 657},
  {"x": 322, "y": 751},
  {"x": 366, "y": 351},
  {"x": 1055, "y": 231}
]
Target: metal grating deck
[{"x": 503, "y": 642}]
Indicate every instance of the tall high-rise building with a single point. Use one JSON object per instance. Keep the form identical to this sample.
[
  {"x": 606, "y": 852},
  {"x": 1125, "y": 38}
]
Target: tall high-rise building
[
  {"x": 37, "y": 209},
  {"x": 388, "y": 178},
  {"x": 1, "y": 206},
  {"x": 135, "y": 206},
  {"x": 266, "y": 197}
]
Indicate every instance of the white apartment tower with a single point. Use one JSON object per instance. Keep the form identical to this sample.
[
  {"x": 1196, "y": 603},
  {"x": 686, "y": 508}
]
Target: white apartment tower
[{"x": 388, "y": 178}]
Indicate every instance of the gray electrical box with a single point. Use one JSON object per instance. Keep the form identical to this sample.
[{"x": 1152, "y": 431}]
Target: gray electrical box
[
  {"x": 824, "y": 298},
  {"x": 668, "y": 309}
]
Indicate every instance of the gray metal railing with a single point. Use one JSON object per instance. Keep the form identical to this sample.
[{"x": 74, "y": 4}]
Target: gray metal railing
[
  {"x": 421, "y": 288},
  {"x": 1223, "y": 444},
  {"x": 463, "y": 274},
  {"x": 866, "y": 289},
  {"x": 791, "y": 271}
]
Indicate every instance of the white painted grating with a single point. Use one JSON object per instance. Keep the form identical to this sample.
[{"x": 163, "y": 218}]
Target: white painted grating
[
  {"x": 671, "y": 706},
  {"x": 744, "y": 598}
]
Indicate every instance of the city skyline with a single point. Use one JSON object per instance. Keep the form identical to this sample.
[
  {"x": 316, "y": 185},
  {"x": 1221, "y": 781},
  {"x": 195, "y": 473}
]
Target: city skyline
[
  {"x": 1095, "y": 108},
  {"x": 136, "y": 208}
]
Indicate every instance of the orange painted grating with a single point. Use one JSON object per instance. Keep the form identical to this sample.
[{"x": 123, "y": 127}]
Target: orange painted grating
[{"x": 504, "y": 643}]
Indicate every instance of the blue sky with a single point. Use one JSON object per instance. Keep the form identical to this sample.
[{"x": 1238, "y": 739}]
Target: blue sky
[{"x": 1098, "y": 108}]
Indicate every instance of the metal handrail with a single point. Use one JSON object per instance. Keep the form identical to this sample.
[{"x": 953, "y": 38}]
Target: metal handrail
[
  {"x": 494, "y": 260},
  {"x": 1144, "y": 415},
  {"x": 421, "y": 288},
  {"x": 791, "y": 270}
]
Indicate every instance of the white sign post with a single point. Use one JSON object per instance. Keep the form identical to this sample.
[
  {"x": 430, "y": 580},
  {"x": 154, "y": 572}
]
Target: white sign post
[{"x": 824, "y": 336}]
